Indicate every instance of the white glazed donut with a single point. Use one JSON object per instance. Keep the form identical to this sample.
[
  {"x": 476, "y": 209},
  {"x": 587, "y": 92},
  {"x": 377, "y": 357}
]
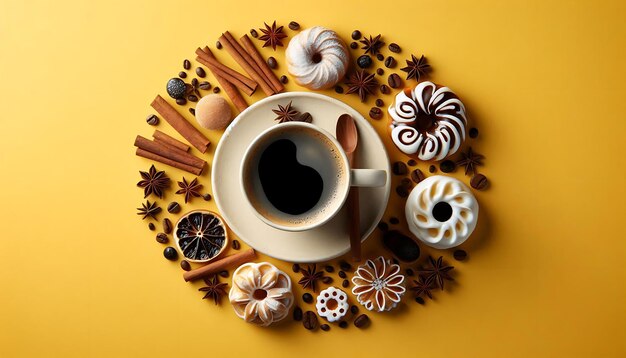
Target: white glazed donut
[
  {"x": 317, "y": 58},
  {"x": 441, "y": 212},
  {"x": 427, "y": 122},
  {"x": 332, "y": 304}
]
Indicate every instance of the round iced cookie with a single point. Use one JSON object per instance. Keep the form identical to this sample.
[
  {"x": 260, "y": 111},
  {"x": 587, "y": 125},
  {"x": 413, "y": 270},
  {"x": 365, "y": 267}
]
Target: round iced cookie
[
  {"x": 427, "y": 122},
  {"x": 332, "y": 304},
  {"x": 213, "y": 112},
  {"x": 441, "y": 212}
]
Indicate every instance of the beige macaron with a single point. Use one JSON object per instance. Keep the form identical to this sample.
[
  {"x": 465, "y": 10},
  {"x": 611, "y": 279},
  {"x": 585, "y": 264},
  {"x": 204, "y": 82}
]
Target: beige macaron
[{"x": 213, "y": 112}]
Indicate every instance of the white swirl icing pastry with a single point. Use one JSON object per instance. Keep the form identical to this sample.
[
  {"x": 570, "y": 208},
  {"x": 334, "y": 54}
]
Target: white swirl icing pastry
[
  {"x": 441, "y": 212},
  {"x": 317, "y": 58},
  {"x": 261, "y": 293},
  {"x": 428, "y": 122}
]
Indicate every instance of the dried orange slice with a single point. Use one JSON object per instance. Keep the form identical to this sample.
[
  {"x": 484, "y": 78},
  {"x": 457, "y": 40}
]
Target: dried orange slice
[{"x": 201, "y": 235}]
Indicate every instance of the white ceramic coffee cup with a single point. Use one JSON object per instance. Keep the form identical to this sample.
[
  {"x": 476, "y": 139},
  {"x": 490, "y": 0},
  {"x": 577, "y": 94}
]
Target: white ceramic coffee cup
[{"x": 337, "y": 182}]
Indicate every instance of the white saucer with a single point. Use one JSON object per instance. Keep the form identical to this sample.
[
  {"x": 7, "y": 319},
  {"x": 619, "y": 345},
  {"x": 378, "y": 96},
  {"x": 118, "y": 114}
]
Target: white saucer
[{"x": 320, "y": 244}]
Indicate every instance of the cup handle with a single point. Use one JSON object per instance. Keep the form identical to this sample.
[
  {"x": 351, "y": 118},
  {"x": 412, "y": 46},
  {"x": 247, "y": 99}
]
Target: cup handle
[{"x": 368, "y": 177}]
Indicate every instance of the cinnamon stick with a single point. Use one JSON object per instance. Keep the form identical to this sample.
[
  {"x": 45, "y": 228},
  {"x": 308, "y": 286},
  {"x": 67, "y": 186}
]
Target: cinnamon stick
[
  {"x": 240, "y": 81},
  {"x": 231, "y": 91},
  {"x": 219, "y": 265},
  {"x": 166, "y": 139},
  {"x": 262, "y": 64},
  {"x": 245, "y": 61},
  {"x": 182, "y": 126},
  {"x": 152, "y": 156},
  {"x": 175, "y": 155}
]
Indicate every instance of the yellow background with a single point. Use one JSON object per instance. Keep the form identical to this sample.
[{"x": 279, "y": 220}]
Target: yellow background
[{"x": 80, "y": 274}]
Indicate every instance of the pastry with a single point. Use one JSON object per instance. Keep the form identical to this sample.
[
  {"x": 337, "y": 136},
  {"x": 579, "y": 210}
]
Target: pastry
[
  {"x": 317, "y": 58},
  {"x": 261, "y": 293},
  {"x": 213, "y": 112},
  {"x": 378, "y": 284},
  {"x": 441, "y": 212},
  {"x": 427, "y": 122},
  {"x": 332, "y": 304}
]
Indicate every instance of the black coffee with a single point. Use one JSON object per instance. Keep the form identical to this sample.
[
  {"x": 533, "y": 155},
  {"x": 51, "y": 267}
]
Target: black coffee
[{"x": 290, "y": 187}]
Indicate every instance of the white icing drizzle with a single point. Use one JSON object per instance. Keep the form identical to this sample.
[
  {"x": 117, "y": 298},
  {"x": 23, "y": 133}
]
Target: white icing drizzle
[
  {"x": 445, "y": 138},
  {"x": 334, "y": 58}
]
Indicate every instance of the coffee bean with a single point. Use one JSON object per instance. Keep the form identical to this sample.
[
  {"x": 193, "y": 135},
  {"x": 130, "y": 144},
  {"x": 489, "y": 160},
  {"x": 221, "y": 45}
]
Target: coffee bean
[
  {"x": 182, "y": 74},
  {"x": 236, "y": 245},
  {"x": 216, "y": 89},
  {"x": 271, "y": 61},
  {"x": 479, "y": 182},
  {"x": 297, "y": 314},
  {"x": 186, "y": 64},
  {"x": 325, "y": 327},
  {"x": 380, "y": 57},
  {"x": 394, "y": 220},
  {"x": 307, "y": 298},
  {"x": 218, "y": 45},
  {"x": 192, "y": 111},
  {"x": 181, "y": 101},
  {"x": 170, "y": 253},
  {"x": 364, "y": 61},
  {"x": 309, "y": 320},
  {"x": 295, "y": 268},
  {"x": 253, "y": 33},
  {"x": 447, "y": 166},
  {"x": 356, "y": 34},
  {"x": 473, "y": 132},
  {"x": 152, "y": 119},
  {"x": 151, "y": 226},
  {"x": 394, "y": 81},
  {"x": 376, "y": 113},
  {"x": 459, "y": 255},
  {"x": 194, "y": 83},
  {"x": 344, "y": 265},
  {"x": 294, "y": 26},
  {"x": 345, "y": 283},
  {"x": 406, "y": 182},
  {"x": 162, "y": 238},
  {"x": 192, "y": 98},
  {"x": 432, "y": 169},
  {"x": 399, "y": 168},
  {"x": 402, "y": 191},
  {"x": 354, "y": 45},
  {"x": 173, "y": 207},
  {"x": 341, "y": 274},
  {"x": 382, "y": 226},
  {"x": 419, "y": 300},
  {"x": 354, "y": 309},
  {"x": 343, "y": 324},
  {"x": 284, "y": 79},
  {"x": 206, "y": 197},
  {"x": 411, "y": 162},
  {"x": 223, "y": 273},
  {"x": 393, "y": 47},
  {"x": 362, "y": 321},
  {"x": 379, "y": 102},
  {"x": 390, "y": 62},
  {"x": 410, "y": 272},
  {"x": 380, "y": 71},
  {"x": 329, "y": 268},
  {"x": 167, "y": 226},
  {"x": 204, "y": 85},
  {"x": 326, "y": 280},
  {"x": 185, "y": 265},
  {"x": 338, "y": 89},
  {"x": 200, "y": 72},
  {"x": 384, "y": 89},
  {"x": 305, "y": 117}
]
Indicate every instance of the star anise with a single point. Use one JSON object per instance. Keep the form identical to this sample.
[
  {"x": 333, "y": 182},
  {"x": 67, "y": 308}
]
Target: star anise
[
  {"x": 372, "y": 45},
  {"x": 189, "y": 189},
  {"x": 423, "y": 286},
  {"x": 310, "y": 277},
  {"x": 415, "y": 68},
  {"x": 214, "y": 289},
  {"x": 470, "y": 161},
  {"x": 149, "y": 210},
  {"x": 272, "y": 35},
  {"x": 286, "y": 113},
  {"x": 153, "y": 182},
  {"x": 438, "y": 271},
  {"x": 362, "y": 83}
]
